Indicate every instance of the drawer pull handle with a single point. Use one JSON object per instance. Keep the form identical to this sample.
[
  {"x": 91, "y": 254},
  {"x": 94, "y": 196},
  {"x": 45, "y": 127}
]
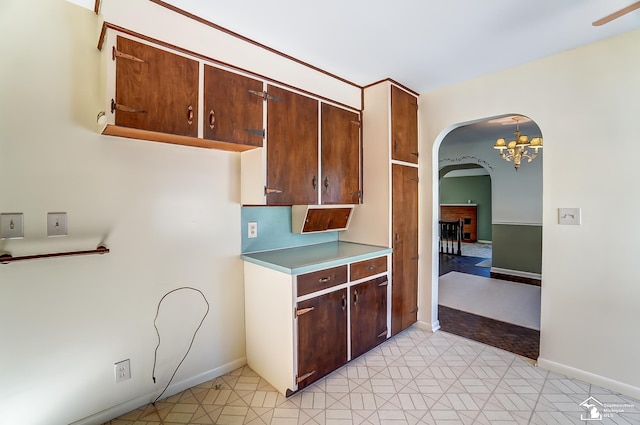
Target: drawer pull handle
[
  {"x": 304, "y": 311},
  {"x": 383, "y": 334},
  {"x": 305, "y": 376},
  {"x": 324, "y": 279},
  {"x": 355, "y": 296},
  {"x": 344, "y": 302},
  {"x": 371, "y": 267},
  {"x": 190, "y": 115},
  {"x": 212, "y": 119}
]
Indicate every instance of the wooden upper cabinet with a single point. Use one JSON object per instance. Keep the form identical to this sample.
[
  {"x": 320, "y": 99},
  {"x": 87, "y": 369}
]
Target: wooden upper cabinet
[
  {"x": 404, "y": 307},
  {"x": 292, "y": 148},
  {"x": 340, "y": 156},
  {"x": 404, "y": 126},
  {"x": 232, "y": 107},
  {"x": 155, "y": 90}
]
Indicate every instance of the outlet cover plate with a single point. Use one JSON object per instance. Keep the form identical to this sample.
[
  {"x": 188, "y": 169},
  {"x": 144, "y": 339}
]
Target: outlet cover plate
[
  {"x": 57, "y": 224},
  {"x": 11, "y": 225},
  {"x": 252, "y": 230},
  {"x": 122, "y": 370}
]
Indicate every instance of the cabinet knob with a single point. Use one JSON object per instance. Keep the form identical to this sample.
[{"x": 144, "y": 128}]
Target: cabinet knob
[
  {"x": 344, "y": 302},
  {"x": 324, "y": 279},
  {"x": 355, "y": 296},
  {"x": 190, "y": 115},
  {"x": 326, "y": 183},
  {"x": 314, "y": 182},
  {"x": 212, "y": 119}
]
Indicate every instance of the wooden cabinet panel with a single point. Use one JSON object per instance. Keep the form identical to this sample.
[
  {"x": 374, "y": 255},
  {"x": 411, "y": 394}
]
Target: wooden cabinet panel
[
  {"x": 405, "y": 247},
  {"x": 322, "y": 336},
  {"x": 292, "y": 148},
  {"x": 155, "y": 90},
  {"x": 340, "y": 156},
  {"x": 322, "y": 279},
  {"x": 404, "y": 126},
  {"x": 319, "y": 220},
  {"x": 368, "y": 315},
  {"x": 231, "y": 112},
  {"x": 367, "y": 268}
]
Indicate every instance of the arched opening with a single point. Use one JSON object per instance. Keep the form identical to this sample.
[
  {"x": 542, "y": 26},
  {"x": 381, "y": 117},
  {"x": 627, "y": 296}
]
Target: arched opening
[{"x": 499, "y": 305}]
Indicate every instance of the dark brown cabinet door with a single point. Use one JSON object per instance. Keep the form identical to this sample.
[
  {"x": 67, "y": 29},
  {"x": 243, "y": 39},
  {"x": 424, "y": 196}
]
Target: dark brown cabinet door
[
  {"x": 368, "y": 315},
  {"x": 404, "y": 126},
  {"x": 292, "y": 148},
  {"x": 404, "y": 309},
  {"x": 340, "y": 156},
  {"x": 322, "y": 336},
  {"x": 319, "y": 220},
  {"x": 232, "y": 109},
  {"x": 155, "y": 90}
]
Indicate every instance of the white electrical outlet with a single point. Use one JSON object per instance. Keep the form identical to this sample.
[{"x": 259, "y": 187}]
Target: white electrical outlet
[
  {"x": 122, "y": 370},
  {"x": 252, "y": 231}
]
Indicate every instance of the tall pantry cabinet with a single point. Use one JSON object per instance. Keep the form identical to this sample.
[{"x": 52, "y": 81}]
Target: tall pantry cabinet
[{"x": 389, "y": 213}]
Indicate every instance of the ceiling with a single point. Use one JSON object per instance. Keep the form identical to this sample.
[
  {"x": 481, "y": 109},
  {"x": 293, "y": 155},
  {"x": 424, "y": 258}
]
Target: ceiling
[{"x": 423, "y": 44}]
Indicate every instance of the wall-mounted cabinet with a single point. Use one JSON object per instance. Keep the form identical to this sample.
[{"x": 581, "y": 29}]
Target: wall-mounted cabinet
[
  {"x": 320, "y": 218},
  {"x": 312, "y": 154},
  {"x": 233, "y": 107}
]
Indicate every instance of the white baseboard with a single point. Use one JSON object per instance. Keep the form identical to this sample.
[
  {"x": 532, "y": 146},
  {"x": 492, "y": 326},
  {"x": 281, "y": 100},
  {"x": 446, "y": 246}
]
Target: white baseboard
[
  {"x": 592, "y": 378},
  {"x": 425, "y": 326},
  {"x": 518, "y": 273},
  {"x": 128, "y": 406}
]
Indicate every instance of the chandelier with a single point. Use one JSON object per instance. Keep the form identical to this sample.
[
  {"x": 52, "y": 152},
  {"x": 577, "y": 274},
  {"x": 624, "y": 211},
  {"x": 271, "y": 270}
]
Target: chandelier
[{"x": 517, "y": 149}]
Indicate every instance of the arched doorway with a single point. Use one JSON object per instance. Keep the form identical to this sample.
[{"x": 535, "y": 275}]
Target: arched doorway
[{"x": 516, "y": 228}]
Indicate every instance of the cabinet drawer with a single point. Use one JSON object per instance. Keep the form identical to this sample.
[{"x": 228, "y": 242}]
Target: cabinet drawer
[
  {"x": 322, "y": 279},
  {"x": 368, "y": 268}
]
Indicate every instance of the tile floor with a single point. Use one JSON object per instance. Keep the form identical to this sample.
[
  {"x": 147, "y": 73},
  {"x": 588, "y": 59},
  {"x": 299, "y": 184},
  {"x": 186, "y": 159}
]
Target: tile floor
[{"x": 416, "y": 377}]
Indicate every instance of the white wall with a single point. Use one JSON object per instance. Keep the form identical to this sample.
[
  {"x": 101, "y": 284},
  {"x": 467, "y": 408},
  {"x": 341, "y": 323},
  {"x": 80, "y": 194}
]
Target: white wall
[
  {"x": 584, "y": 101},
  {"x": 169, "y": 214}
]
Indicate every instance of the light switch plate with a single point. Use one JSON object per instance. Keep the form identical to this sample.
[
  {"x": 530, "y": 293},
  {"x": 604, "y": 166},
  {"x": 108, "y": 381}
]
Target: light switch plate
[
  {"x": 11, "y": 225},
  {"x": 57, "y": 224},
  {"x": 569, "y": 216}
]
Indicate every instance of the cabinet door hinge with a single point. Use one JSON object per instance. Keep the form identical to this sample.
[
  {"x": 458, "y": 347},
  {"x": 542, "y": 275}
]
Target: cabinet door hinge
[
  {"x": 355, "y": 122},
  {"x": 265, "y": 96},
  {"x": 385, "y": 283},
  {"x": 300, "y": 312},
  {"x": 417, "y": 257},
  {"x": 415, "y": 179},
  {"x": 115, "y": 53},
  {"x": 268, "y": 190},
  {"x": 256, "y": 132},
  {"x": 414, "y": 311},
  {"x": 415, "y": 154},
  {"x": 382, "y": 334},
  {"x": 305, "y": 376},
  {"x": 125, "y": 108}
]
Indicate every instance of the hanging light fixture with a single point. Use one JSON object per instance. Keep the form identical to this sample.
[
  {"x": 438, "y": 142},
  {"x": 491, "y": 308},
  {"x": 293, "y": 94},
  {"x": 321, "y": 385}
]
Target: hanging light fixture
[{"x": 516, "y": 149}]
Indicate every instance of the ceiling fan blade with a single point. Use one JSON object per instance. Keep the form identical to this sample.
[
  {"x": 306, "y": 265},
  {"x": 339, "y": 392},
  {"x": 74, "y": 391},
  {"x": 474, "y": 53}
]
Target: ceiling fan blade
[{"x": 616, "y": 15}]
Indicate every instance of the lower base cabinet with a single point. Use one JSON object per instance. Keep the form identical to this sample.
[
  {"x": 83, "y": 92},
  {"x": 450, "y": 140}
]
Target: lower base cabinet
[{"x": 302, "y": 327}]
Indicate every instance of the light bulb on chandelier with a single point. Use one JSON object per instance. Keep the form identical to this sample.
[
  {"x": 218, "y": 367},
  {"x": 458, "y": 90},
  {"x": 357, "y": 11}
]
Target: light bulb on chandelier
[{"x": 516, "y": 149}]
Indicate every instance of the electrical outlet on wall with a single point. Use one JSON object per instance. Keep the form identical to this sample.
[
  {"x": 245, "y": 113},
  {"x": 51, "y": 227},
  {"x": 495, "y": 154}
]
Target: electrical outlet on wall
[
  {"x": 122, "y": 370},
  {"x": 252, "y": 230}
]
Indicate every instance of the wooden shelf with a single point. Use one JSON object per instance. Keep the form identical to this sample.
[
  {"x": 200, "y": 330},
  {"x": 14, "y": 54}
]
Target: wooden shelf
[{"x": 154, "y": 136}]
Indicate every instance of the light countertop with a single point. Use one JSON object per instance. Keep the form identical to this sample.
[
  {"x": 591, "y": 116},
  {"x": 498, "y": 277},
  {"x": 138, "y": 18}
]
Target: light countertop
[{"x": 309, "y": 258}]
